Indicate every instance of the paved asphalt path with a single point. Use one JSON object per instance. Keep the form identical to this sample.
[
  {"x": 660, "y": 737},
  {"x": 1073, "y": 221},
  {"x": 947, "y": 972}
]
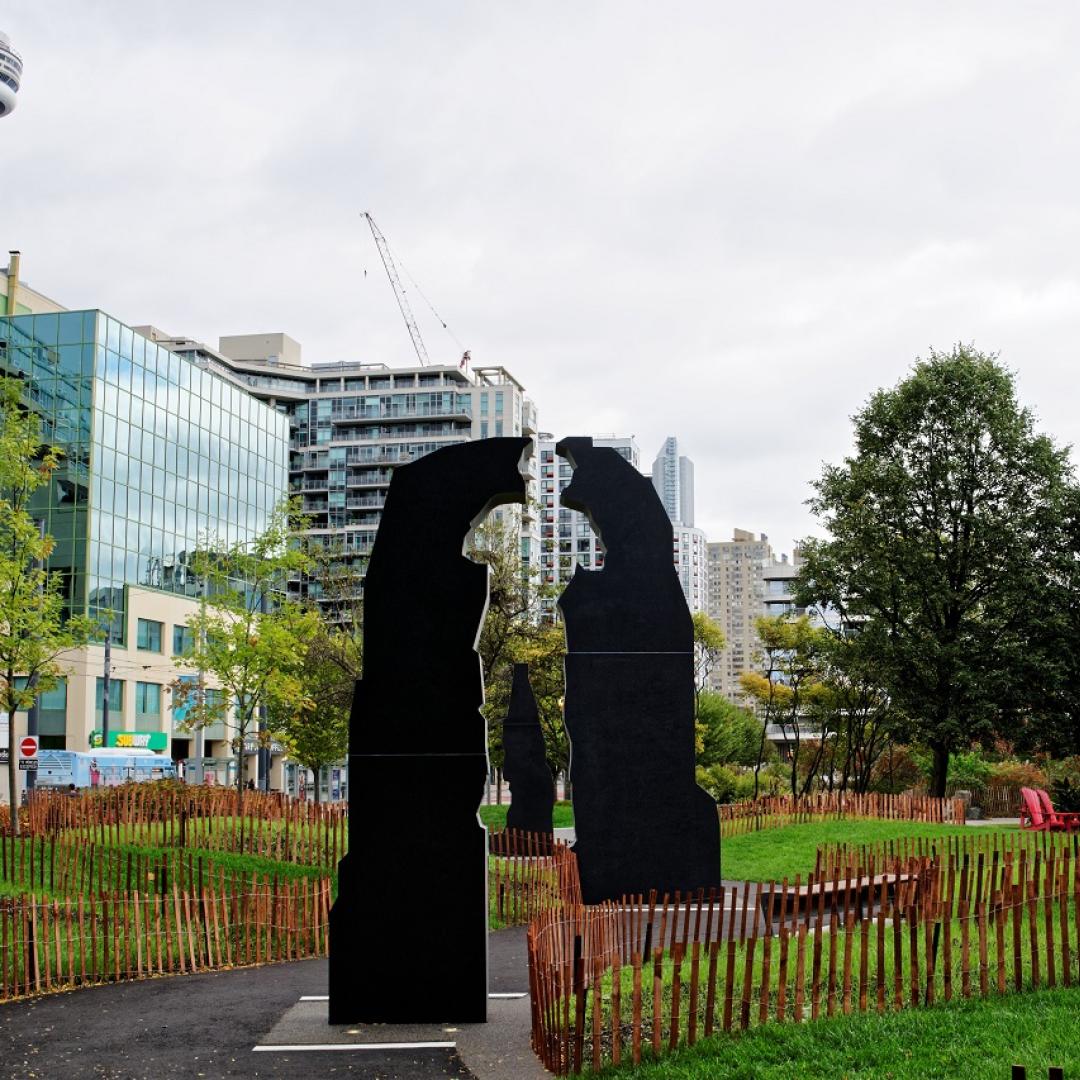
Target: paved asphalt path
[
  {"x": 206, "y": 1026},
  {"x": 189, "y": 1026}
]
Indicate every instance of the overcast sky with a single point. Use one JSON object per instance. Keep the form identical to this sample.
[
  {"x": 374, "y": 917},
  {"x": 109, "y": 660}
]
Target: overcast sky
[{"x": 728, "y": 222}]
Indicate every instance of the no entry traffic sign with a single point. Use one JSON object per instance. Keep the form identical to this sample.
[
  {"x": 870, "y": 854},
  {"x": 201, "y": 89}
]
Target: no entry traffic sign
[{"x": 28, "y": 746}]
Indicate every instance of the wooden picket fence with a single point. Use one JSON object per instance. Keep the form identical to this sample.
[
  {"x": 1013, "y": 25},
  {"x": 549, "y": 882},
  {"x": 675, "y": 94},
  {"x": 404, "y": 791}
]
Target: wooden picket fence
[
  {"x": 211, "y": 819},
  {"x": 633, "y": 980},
  {"x": 998, "y": 800},
  {"x": 65, "y": 865},
  {"x": 48, "y": 945},
  {"x": 972, "y": 843},
  {"x": 776, "y": 812},
  {"x": 529, "y": 873}
]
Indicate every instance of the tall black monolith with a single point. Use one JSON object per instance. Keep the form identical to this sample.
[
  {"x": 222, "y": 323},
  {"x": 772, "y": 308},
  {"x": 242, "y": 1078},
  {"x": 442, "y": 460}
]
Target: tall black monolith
[
  {"x": 532, "y": 786},
  {"x": 641, "y": 820},
  {"x": 408, "y": 932}
]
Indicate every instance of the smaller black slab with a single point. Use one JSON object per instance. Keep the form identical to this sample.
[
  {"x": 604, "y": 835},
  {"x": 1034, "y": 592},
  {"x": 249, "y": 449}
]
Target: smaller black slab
[{"x": 532, "y": 786}]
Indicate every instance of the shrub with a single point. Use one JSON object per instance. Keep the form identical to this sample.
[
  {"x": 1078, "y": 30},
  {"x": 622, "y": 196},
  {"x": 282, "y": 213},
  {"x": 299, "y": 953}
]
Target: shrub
[
  {"x": 726, "y": 784},
  {"x": 1065, "y": 784},
  {"x": 968, "y": 769},
  {"x": 897, "y": 770},
  {"x": 727, "y": 733},
  {"x": 1018, "y": 774}
]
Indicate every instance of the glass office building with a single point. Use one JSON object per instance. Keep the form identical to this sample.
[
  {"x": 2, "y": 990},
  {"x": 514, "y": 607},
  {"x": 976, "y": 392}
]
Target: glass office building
[{"x": 159, "y": 455}]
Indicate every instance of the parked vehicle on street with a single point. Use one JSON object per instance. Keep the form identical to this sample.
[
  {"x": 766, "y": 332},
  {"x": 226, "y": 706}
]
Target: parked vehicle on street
[{"x": 100, "y": 768}]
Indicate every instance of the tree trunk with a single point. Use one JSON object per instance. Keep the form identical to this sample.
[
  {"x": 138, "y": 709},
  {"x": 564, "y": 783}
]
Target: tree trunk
[
  {"x": 13, "y": 772},
  {"x": 317, "y": 772},
  {"x": 940, "y": 775}
]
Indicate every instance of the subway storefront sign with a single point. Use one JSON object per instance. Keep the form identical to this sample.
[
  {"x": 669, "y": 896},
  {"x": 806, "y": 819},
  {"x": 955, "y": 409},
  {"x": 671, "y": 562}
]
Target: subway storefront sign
[{"x": 132, "y": 740}]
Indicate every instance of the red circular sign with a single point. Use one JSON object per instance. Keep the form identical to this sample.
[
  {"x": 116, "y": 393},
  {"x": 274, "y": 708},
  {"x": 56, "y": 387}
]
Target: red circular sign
[{"x": 28, "y": 747}]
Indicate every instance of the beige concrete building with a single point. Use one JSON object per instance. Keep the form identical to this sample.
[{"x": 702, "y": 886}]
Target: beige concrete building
[
  {"x": 141, "y": 713},
  {"x": 736, "y": 590},
  {"x": 17, "y": 298}
]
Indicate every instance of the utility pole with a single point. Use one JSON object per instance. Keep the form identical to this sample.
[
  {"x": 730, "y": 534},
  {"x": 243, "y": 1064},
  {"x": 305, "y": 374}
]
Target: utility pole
[
  {"x": 106, "y": 688},
  {"x": 31, "y": 685},
  {"x": 264, "y": 750}
]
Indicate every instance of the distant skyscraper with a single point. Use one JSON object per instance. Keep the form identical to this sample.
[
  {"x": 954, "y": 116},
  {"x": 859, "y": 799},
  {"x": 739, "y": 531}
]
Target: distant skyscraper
[
  {"x": 673, "y": 478},
  {"x": 566, "y": 538}
]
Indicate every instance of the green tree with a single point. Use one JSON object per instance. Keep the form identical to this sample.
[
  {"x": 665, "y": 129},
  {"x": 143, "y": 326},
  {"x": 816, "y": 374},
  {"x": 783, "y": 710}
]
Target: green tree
[
  {"x": 788, "y": 686},
  {"x": 940, "y": 523},
  {"x": 33, "y": 631},
  {"x": 854, "y": 712},
  {"x": 1052, "y": 725},
  {"x": 709, "y": 643},
  {"x": 727, "y": 734},
  {"x": 247, "y": 637},
  {"x": 518, "y": 630},
  {"x": 317, "y": 733}
]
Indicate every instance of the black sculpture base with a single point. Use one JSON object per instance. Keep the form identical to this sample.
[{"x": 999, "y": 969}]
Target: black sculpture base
[
  {"x": 641, "y": 821},
  {"x": 411, "y": 946}
]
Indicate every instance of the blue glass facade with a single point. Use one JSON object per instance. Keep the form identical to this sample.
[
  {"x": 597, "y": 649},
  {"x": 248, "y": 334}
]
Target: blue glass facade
[{"x": 159, "y": 454}]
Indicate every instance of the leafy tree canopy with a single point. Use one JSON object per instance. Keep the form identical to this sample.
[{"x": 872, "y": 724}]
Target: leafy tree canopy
[
  {"x": 33, "y": 629},
  {"x": 939, "y": 526}
]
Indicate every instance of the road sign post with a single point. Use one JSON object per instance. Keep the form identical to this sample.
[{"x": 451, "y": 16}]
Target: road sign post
[{"x": 28, "y": 748}]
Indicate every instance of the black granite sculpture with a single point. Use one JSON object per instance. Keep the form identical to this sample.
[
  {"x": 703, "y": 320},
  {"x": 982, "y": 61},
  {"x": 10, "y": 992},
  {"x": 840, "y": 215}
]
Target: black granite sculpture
[
  {"x": 408, "y": 932},
  {"x": 532, "y": 786},
  {"x": 641, "y": 820}
]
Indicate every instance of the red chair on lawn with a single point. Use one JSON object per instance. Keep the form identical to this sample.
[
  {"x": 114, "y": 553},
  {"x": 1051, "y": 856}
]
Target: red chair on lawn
[
  {"x": 1064, "y": 820},
  {"x": 1032, "y": 816}
]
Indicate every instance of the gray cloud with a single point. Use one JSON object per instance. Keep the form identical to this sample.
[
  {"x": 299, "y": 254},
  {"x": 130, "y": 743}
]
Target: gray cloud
[{"x": 727, "y": 222}]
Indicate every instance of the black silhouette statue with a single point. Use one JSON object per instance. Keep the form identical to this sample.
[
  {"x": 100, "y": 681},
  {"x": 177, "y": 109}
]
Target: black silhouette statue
[
  {"x": 641, "y": 820},
  {"x": 416, "y": 871},
  {"x": 532, "y": 786}
]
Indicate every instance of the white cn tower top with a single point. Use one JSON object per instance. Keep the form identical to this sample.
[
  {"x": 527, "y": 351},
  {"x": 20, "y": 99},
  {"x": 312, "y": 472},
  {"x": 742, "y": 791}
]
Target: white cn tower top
[{"x": 10, "y": 74}]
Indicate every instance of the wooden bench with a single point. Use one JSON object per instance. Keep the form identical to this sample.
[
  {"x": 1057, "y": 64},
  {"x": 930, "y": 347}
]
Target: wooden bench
[{"x": 830, "y": 894}]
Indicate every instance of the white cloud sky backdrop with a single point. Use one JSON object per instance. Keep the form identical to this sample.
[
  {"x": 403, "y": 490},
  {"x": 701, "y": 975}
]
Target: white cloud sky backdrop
[{"x": 729, "y": 222}]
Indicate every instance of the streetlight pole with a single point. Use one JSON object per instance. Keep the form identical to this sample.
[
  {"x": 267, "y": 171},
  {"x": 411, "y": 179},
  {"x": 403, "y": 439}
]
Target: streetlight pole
[
  {"x": 31, "y": 685},
  {"x": 264, "y": 751},
  {"x": 106, "y": 686}
]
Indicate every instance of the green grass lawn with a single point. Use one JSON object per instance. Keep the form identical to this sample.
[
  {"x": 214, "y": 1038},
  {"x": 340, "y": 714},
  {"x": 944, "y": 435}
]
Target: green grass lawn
[
  {"x": 494, "y": 816},
  {"x": 772, "y": 854},
  {"x": 973, "y": 1040}
]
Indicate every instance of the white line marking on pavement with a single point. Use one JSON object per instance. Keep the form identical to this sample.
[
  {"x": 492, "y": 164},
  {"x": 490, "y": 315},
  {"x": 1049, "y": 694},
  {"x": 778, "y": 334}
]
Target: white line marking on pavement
[
  {"x": 295, "y": 1047},
  {"x": 315, "y": 997},
  {"x": 516, "y": 995}
]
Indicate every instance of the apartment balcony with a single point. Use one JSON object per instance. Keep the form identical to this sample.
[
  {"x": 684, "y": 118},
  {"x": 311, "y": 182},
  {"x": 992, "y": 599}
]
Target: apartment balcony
[
  {"x": 367, "y": 416},
  {"x": 384, "y": 434}
]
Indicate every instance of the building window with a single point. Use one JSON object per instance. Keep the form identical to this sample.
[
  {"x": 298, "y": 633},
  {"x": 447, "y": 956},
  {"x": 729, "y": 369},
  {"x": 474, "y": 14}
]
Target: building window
[
  {"x": 147, "y": 704},
  {"x": 116, "y": 700},
  {"x": 148, "y": 635},
  {"x": 182, "y": 640}
]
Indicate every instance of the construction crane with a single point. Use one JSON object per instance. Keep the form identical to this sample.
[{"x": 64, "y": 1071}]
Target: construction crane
[{"x": 399, "y": 290}]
